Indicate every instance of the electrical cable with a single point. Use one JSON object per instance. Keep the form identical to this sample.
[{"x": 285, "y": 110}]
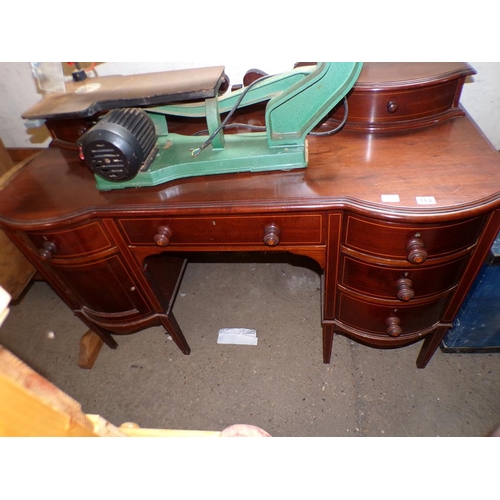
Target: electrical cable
[
  {"x": 339, "y": 127},
  {"x": 224, "y": 125},
  {"x": 197, "y": 151},
  {"x": 255, "y": 128}
]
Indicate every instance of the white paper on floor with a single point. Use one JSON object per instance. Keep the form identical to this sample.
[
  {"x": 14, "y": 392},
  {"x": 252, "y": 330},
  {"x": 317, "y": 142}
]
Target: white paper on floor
[{"x": 240, "y": 336}]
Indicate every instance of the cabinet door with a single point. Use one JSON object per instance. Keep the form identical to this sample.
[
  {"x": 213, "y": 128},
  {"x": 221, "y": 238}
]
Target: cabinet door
[{"x": 103, "y": 289}]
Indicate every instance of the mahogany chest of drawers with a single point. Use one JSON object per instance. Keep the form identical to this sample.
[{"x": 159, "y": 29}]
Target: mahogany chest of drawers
[{"x": 399, "y": 209}]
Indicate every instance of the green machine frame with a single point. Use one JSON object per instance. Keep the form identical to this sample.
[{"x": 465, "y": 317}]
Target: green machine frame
[{"x": 297, "y": 101}]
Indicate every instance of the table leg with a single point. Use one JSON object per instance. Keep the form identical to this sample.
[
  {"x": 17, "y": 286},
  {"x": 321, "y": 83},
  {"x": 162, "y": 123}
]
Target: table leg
[
  {"x": 328, "y": 334},
  {"x": 431, "y": 343},
  {"x": 170, "y": 324}
]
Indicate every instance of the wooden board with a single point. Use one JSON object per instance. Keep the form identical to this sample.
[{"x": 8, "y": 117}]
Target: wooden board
[
  {"x": 15, "y": 270},
  {"x": 6, "y": 162},
  {"x": 38, "y": 408},
  {"x": 21, "y": 154}
]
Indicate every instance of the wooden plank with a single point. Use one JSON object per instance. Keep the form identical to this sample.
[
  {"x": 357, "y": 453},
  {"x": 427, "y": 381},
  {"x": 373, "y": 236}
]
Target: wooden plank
[
  {"x": 138, "y": 432},
  {"x": 90, "y": 346},
  {"x": 6, "y": 162},
  {"x": 36, "y": 407},
  {"x": 21, "y": 154},
  {"x": 4, "y": 179},
  {"x": 15, "y": 270}
]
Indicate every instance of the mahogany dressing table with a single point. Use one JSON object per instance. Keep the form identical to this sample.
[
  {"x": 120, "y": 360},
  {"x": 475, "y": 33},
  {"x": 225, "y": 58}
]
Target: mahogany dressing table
[{"x": 399, "y": 209}]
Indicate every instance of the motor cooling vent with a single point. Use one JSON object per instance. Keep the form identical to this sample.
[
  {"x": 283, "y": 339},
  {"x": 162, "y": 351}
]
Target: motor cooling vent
[{"x": 120, "y": 144}]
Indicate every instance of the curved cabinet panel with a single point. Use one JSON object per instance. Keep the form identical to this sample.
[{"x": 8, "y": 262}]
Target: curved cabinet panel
[{"x": 104, "y": 289}]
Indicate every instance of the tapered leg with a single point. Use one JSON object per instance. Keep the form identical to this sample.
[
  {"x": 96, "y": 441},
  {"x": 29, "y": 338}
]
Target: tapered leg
[
  {"x": 170, "y": 324},
  {"x": 328, "y": 333},
  {"x": 431, "y": 343}
]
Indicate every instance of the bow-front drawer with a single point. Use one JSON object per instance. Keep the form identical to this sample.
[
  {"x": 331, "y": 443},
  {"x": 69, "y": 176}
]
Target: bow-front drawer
[
  {"x": 412, "y": 243},
  {"x": 269, "y": 230},
  {"x": 389, "y": 96},
  {"x": 78, "y": 241},
  {"x": 389, "y": 320},
  {"x": 387, "y": 109},
  {"x": 401, "y": 283}
]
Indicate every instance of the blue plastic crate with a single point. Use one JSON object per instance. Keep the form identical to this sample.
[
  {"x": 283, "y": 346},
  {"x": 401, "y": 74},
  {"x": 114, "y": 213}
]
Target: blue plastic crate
[{"x": 476, "y": 327}]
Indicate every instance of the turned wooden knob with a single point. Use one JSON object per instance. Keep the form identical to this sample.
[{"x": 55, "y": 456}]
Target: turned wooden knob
[
  {"x": 393, "y": 328},
  {"x": 392, "y": 106},
  {"x": 272, "y": 235},
  {"x": 48, "y": 250},
  {"x": 404, "y": 289},
  {"x": 162, "y": 236},
  {"x": 416, "y": 251}
]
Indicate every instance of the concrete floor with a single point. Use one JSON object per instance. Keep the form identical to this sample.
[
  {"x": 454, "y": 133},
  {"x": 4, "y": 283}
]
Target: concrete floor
[{"x": 280, "y": 385}]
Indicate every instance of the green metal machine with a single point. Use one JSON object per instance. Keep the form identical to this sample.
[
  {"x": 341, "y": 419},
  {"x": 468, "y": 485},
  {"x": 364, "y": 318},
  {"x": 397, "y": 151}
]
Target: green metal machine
[{"x": 131, "y": 146}]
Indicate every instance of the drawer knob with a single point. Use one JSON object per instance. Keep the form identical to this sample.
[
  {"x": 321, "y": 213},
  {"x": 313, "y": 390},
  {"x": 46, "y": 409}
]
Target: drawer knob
[
  {"x": 48, "y": 250},
  {"x": 272, "y": 235},
  {"x": 404, "y": 289},
  {"x": 162, "y": 236},
  {"x": 392, "y": 106},
  {"x": 393, "y": 328},
  {"x": 416, "y": 251}
]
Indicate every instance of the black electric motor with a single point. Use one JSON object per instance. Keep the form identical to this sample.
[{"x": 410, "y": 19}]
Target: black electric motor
[{"x": 119, "y": 144}]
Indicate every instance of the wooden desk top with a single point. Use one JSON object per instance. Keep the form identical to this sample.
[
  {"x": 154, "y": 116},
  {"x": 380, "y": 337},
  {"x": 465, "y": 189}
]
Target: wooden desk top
[{"x": 451, "y": 161}]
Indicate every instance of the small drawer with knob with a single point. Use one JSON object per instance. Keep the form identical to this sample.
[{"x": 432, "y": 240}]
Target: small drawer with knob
[
  {"x": 386, "y": 106},
  {"x": 387, "y": 96},
  {"x": 78, "y": 241},
  {"x": 263, "y": 230},
  {"x": 401, "y": 283},
  {"x": 413, "y": 244},
  {"x": 391, "y": 320}
]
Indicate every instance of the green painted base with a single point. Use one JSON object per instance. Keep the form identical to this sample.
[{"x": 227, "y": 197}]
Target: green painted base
[{"x": 242, "y": 153}]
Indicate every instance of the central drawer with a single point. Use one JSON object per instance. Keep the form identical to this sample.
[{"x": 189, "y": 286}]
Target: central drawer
[{"x": 270, "y": 230}]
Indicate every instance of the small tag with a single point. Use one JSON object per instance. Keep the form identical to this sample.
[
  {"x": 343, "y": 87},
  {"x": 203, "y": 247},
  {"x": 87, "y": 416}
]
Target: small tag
[
  {"x": 390, "y": 198},
  {"x": 426, "y": 200}
]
